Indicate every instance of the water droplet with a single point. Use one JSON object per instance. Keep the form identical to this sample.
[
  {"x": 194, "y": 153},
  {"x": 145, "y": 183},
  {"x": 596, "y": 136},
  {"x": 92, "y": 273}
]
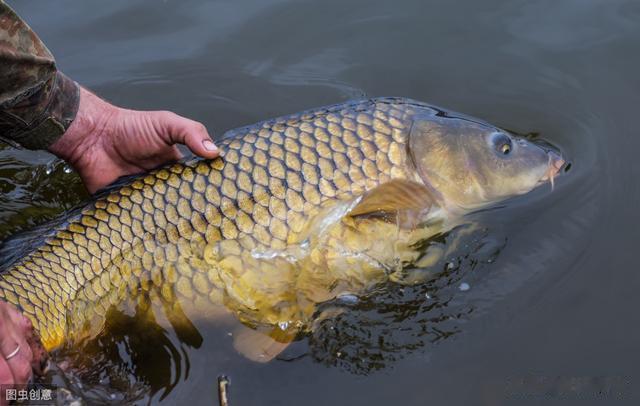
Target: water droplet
[
  {"x": 50, "y": 167},
  {"x": 283, "y": 325},
  {"x": 67, "y": 169},
  {"x": 427, "y": 296},
  {"x": 338, "y": 354},
  {"x": 230, "y": 334},
  {"x": 450, "y": 265},
  {"x": 464, "y": 287}
]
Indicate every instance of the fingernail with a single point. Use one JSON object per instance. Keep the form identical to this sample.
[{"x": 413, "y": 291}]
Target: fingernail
[{"x": 209, "y": 146}]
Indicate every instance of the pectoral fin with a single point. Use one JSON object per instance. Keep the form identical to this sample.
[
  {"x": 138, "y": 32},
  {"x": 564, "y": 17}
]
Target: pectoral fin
[{"x": 397, "y": 197}]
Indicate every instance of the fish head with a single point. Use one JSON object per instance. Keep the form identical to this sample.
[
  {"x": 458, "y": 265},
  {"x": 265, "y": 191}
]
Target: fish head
[{"x": 470, "y": 164}]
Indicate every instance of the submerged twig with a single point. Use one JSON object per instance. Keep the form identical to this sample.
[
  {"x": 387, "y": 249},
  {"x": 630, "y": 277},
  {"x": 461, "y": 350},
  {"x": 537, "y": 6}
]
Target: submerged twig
[{"x": 223, "y": 384}]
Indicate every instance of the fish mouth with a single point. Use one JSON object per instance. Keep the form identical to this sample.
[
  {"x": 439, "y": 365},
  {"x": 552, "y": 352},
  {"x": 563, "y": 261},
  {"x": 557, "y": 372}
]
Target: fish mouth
[{"x": 556, "y": 165}]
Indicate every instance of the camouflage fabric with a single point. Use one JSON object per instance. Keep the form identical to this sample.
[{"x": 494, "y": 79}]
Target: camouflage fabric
[{"x": 37, "y": 102}]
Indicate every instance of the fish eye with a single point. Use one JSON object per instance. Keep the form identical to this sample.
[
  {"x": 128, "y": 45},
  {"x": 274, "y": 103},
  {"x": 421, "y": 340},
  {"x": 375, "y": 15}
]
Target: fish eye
[{"x": 502, "y": 143}]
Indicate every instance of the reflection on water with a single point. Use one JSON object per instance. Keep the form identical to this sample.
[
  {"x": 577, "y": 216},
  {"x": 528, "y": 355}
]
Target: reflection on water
[
  {"x": 127, "y": 362},
  {"x": 32, "y": 191},
  {"x": 394, "y": 321}
]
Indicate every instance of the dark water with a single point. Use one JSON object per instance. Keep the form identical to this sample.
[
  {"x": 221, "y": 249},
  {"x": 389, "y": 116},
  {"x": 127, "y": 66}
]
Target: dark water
[{"x": 554, "y": 284}]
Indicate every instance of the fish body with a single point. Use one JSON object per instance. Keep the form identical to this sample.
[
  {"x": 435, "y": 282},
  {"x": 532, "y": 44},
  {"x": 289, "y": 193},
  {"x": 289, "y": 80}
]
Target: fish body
[{"x": 297, "y": 210}]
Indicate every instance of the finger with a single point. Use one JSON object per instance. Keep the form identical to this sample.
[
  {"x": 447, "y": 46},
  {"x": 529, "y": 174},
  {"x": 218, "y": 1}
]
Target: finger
[
  {"x": 6, "y": 381},
  {"x": 19, "y": 363},
  {"x": 170, "y": 154},
  {"x": 18, "y": 319},
  {"x": 25, "y": 332},
  {"x": 6, "y": 376},
  {"x": 24, "y": 328},
  {"x": 12, "y": 339},
  {"x": 191, "y": 133},
  {"x": 26, "y": 324},
  {"x": 39, "y": 355}
]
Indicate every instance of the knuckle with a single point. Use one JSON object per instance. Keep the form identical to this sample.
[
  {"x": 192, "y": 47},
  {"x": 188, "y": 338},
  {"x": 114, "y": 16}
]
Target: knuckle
[
  {"x": 170, "y": 115},
  {"x": 162, "y": 116}
]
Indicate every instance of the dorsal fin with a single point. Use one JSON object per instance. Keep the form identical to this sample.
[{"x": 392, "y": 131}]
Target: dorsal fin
[{"x": 394, "y": 196}]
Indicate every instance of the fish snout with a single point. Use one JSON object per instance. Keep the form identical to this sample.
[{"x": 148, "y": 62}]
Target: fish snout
[{"x": 556, "y": 163}]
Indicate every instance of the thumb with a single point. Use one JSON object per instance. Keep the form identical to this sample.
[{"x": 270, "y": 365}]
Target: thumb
[{"x": 190, "y": 133}]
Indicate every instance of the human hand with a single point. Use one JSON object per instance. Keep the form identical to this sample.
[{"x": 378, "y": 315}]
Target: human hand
[
  {"x": 105, "y": 142},
  {"x": 20, "y": 345}
]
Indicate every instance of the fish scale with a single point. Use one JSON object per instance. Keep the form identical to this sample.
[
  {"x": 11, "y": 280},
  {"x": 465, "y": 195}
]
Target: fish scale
[{"x": 159, "y": 231}]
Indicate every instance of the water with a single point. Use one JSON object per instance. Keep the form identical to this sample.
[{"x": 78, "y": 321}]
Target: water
[{"x": 553, "y": 276}]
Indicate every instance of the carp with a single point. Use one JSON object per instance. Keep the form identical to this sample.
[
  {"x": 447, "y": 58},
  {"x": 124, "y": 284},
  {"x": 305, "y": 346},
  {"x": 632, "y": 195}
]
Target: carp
[{"x": 296, "y": 211}]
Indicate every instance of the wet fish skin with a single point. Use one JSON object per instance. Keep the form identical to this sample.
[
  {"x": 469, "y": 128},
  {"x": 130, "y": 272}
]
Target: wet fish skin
[{"x": 153, "y": 233}]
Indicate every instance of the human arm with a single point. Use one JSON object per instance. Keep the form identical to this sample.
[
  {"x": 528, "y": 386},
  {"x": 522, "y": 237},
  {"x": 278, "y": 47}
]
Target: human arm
[
  {"x": 41, "y": 108},
  {"x": 37, "y": 102}
]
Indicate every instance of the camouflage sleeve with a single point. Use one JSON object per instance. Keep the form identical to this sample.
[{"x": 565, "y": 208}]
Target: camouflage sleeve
[{"x": 37, "y": 102}]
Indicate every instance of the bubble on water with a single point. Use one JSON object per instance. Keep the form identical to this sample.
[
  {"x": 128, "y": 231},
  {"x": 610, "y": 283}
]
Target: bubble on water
[
  {"x": 464, "y": 287},
  {"x": 427, "y": 296}
]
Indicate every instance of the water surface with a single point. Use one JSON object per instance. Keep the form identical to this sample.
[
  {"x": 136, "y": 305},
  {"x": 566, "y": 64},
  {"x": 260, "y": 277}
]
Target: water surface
[{"x": 552, "y": 277}]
